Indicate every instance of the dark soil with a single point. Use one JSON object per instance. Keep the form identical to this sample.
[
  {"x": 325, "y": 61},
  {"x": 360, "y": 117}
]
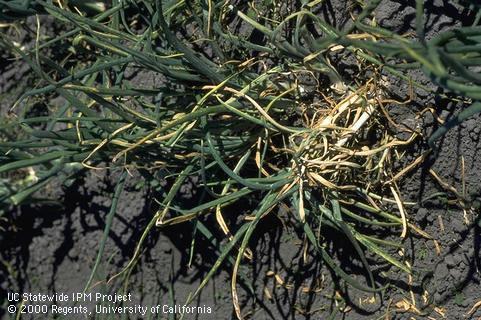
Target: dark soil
[{"x": 52, "y": 247}]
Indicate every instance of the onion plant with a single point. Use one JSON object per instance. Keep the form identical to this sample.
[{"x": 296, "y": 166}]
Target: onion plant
[{"x": 235, "y": 109}]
